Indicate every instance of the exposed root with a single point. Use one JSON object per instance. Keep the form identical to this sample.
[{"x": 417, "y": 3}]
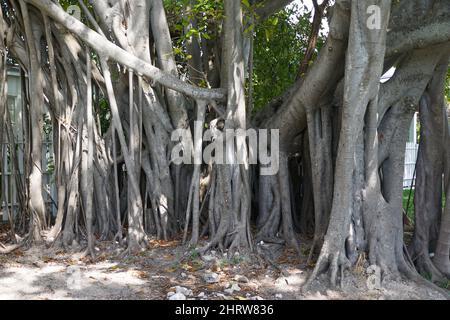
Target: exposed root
[
  {"x": 9, "y": 249},
  {"x": 313, "y": 249},
  {"x": 443, "y": 267},
  {"x": 425, "y": 267},
  {"x": 335, "y": 263},
  {"x": 139, "y": 246},
  {"x": 118, "y": 237},
  {"x": 413, "y": 275},
  {"x": 127, "y": 252}
]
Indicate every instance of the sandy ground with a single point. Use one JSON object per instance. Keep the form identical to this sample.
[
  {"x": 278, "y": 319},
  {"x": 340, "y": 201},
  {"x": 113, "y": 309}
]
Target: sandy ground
[{"x": 41, "y": 273}]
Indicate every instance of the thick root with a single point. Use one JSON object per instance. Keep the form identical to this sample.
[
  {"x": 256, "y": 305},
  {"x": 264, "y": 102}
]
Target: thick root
[
  {"x": 443, "y": 267},
  {"x": 427, "y": 269},
  {"x": 333, "y": 261},
  {"x": 9, "y": 249}
]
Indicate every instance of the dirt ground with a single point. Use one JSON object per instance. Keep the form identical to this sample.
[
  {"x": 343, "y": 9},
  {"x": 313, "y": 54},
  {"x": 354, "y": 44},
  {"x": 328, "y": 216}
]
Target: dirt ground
[{"x": 43, "y": 273}]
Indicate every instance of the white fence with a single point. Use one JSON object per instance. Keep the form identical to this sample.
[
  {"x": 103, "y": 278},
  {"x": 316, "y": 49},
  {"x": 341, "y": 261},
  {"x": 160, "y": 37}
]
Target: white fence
[
  {"x": 8, "y": 189},
  {"x": 410, "y": 164},
  {"x": 9, "y": 196}
]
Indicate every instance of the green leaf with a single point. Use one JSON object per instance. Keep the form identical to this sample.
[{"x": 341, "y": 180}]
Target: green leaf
[
  {"x": 268, "y": 35},
  {"x": 249, "y": 29}
]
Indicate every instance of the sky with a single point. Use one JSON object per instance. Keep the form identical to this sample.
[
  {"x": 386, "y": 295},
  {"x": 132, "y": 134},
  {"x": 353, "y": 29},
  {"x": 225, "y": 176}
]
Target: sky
[
  {"x": 307, "y": 3},
  {"x": 309, "y": 6}
]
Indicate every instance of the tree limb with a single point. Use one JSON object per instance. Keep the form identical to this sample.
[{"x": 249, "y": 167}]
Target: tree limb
[
  {"x": 8, "y": 249},
  {"x": 270, "y": 7},
  {"x": 110, "y": 50}
]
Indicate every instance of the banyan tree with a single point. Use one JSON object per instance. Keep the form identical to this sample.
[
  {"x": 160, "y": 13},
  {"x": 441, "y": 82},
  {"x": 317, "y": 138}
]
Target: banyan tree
[{"x": 111, "y": 81}]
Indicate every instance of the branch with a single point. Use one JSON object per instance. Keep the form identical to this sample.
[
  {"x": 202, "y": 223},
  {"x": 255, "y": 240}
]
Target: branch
[
  {"x": 270, "y": 7},
  {"x": 110, "y": 50},
  {"x": 320, "y": 81},
  {"x": 411, "y": 28},
  {"x": 424, "y": 36},
  {"x": 314, "y": 36}
]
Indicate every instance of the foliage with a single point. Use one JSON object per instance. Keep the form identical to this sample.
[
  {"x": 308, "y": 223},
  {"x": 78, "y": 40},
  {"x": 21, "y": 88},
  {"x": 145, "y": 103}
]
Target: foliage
[
  {"x": 279, "y": 48},
  {"x": 408, "y": 195},
  {"x": 409, "y": 208},
  {"x": 104, "y": 114},
  {"x": 280, "y": 41},
  {"x": 66, "y": 3},
  {"x": 445, "y": 284},
  {"x": 207, "y": 14}
]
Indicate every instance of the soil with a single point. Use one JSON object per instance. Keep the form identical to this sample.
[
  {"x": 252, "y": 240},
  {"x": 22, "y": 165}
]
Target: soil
[{"x": 48, "y": 272}]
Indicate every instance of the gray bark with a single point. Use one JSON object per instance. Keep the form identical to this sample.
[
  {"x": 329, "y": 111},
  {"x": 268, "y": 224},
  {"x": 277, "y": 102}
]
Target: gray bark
[{"x": 364, "y": 65}]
